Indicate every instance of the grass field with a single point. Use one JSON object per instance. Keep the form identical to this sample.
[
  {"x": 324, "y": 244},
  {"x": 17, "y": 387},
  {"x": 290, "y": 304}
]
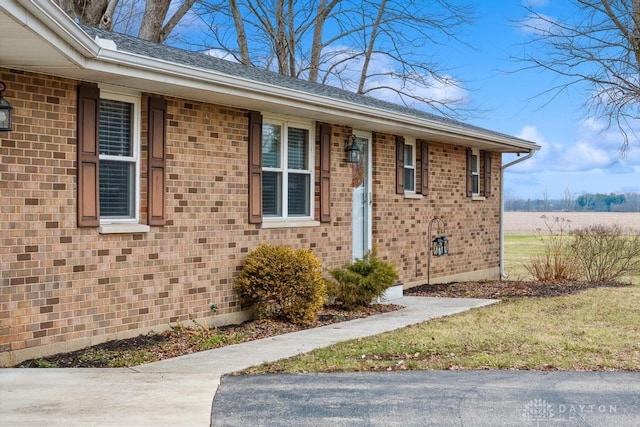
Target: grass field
[
  {"x": 518, "y": 249},
  {"x": 525, "y": 231},
  {"x": 531, "y": 222},
  {"x": 594, "y": 330}
]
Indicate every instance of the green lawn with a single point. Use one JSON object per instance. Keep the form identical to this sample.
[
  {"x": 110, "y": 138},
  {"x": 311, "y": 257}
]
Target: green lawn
[
  {"x": 518, "y": 248},
  {"x": 598, "y": 329}
]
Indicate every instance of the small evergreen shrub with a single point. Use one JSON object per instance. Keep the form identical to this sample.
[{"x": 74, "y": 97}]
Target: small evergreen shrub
[
  {"x": 360, "y": 282},
  {"x": 282, "y": 282}
]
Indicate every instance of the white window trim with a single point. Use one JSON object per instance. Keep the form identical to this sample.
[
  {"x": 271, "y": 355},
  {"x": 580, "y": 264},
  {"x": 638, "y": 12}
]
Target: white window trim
[
  {"x": 476, "y": 194},
  {"x": 285, "y": 220},
  {"x": 412, "y": 143},
  {"x": 117, "y": 94}
]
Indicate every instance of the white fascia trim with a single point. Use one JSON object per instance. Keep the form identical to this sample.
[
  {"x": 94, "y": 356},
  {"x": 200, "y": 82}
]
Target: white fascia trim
[{"x": 49, "y": 15}]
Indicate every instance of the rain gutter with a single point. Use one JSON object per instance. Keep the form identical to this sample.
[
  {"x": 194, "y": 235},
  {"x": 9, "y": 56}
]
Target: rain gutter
[{"x": 503, "y": 274}]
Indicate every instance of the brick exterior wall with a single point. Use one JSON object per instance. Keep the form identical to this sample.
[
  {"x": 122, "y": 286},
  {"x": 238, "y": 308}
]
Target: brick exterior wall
[{"x": 64, "y": 287}]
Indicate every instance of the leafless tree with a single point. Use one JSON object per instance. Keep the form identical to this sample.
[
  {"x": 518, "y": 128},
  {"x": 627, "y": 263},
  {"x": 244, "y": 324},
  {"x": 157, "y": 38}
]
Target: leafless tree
[
  {"x": 598, "y": 47},
  {"x": 390, "y": 48},
  {"x": 154, "y": 25},
  {"x": 343, "y": 42},
  {"x": 568, "y": 197}
]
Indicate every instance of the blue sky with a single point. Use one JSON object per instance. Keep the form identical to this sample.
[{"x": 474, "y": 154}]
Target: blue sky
[{"x": 578, "y": 154}]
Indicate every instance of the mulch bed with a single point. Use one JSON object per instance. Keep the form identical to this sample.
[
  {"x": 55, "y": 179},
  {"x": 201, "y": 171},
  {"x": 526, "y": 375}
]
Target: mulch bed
[
  {"x": 181, "y": 341},
  {"x": 503, "y": 290}
]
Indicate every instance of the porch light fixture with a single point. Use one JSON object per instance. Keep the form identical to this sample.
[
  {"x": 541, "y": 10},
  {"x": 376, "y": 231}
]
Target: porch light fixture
[
  {"x": 352, "y": 150},
  {"x": 5, "y": 111}
]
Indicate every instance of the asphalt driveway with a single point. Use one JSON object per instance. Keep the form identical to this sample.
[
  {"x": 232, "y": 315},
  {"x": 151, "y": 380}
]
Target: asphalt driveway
[{"x": 438, "y": 398}]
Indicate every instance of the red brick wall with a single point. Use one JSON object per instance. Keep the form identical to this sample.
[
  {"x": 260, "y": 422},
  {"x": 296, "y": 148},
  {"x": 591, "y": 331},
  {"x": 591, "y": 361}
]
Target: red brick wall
[{"x": 62, "y": 287}]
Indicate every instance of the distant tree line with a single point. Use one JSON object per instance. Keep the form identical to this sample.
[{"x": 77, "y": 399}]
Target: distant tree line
[{"x": 587, "y": 202}]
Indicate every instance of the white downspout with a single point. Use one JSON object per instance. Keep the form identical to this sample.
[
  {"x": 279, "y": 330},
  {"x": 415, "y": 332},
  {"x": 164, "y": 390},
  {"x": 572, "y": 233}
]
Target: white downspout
[{"x": 503, "y": 274}]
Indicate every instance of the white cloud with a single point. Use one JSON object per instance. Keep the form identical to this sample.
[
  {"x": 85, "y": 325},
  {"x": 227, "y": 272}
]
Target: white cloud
[
  {"x": 385, "y": 81},
  {"x": 591, "y": 163},
  {"x": 597, "y": 147},
  {"x": 538, "y": 24},
  {"x": 222, "y": 54}
]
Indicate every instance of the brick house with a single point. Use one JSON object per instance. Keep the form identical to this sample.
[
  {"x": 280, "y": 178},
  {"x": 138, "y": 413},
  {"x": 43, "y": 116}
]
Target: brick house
[{"x": 137, "y": 177}]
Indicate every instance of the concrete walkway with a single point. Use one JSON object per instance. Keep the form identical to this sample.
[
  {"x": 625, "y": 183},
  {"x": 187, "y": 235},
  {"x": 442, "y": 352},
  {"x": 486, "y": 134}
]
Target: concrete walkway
[{"x": 179, "y": 391}]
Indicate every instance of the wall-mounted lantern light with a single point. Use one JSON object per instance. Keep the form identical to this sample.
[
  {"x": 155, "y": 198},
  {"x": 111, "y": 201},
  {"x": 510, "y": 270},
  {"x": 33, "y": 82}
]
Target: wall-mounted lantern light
[
  {"x": 352, "y": 151},
  {"x": 5, "y": 111}
]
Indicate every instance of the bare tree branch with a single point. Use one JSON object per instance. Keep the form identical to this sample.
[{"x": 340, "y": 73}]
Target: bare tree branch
[
  {"x": 175, "y": 19},
  {"x": 598, "y": 48}
]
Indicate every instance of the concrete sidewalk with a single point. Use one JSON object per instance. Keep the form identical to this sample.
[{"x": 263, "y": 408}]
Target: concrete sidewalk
[{"x": 179, "y": 391}]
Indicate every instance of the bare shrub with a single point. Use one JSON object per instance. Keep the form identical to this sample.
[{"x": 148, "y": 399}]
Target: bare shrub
[
  {"x": 606, "y": 253},
  {"x": 556, "y": 262}
]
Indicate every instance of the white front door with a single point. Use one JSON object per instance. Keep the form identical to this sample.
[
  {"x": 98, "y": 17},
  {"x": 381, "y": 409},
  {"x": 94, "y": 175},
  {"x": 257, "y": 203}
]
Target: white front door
[{"x": 362, "y": 197}]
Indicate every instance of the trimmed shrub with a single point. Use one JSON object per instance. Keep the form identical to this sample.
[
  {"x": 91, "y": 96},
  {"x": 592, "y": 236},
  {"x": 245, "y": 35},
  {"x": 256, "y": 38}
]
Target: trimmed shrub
[
  {"x": 605, "y": 253},
  {"x": 283, "y": 283},
  {"x": 360, "y": 282}
]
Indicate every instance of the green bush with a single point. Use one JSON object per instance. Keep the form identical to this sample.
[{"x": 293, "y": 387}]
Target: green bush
[
  {"x": 605, "y": 253},
  {"x": 282, "y": 283},
  {"x": 360, "y": 282}
]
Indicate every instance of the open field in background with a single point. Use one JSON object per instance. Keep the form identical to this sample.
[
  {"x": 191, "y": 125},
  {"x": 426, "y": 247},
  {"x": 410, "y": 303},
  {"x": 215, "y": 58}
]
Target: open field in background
[
  {"x": 530, "y": 222},
  {"x": 522, "y": 234}
]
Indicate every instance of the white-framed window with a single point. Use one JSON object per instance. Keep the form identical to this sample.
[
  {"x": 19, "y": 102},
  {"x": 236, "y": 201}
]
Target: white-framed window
[
  {"x": 119, "y": 155},
  {"x": 475, "y": 171},
  {"x": 409, "y": 165},
  {"x": 287, "y": 169}
]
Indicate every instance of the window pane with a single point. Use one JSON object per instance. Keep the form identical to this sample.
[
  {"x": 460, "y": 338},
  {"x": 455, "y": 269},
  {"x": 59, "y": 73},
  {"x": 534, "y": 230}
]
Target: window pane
[
  {"x": 408, "y": 155},
  {"x": 409, "y": 180},
  {"x": 115, "y": 128},
  {"x": 297, "y": 152},
  {"x": 476, "y": 184},
  {"x": 271, "y": 137},
  {"x": 474, "y": 163},
  {"x": 116, "y": 189},
  {"x": 298, "y": 194},
  {"x": 271, "y": 193}
]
